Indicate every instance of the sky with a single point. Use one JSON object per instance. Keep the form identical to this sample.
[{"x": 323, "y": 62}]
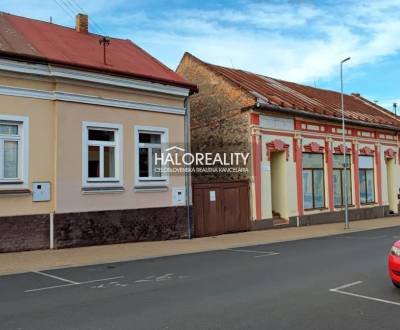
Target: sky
[{"x": 301, "y": 41}]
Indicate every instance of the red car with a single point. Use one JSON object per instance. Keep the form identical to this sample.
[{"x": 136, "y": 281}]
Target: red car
[{"x": 394, "y": 264}]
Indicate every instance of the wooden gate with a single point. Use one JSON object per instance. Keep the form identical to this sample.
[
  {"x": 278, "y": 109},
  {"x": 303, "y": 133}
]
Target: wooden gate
[{"x": 221, "y": 207}]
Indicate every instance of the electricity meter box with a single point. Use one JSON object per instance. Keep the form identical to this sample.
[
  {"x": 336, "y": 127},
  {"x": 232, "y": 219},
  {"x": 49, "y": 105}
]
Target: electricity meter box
[{"x": 41, "y": 191}]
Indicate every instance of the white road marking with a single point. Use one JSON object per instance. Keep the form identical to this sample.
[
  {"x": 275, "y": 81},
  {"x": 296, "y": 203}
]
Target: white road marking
[
  {"x": 269, "y": 254},
  {"x": 74, "y": 284},
  {"x": 248, "y": 251},
  {"x": 56, "y": 277},
  {"x": 164, "y": 277},
  {"x": 338, "y": 290},
  {"x": 261, "y": 254}
]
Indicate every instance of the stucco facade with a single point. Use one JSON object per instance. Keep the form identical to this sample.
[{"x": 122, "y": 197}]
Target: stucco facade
[
  {"x": 83, "y": 120},
  {"x": 55, "y": 155},
  {"x": 55, "y": 146}
]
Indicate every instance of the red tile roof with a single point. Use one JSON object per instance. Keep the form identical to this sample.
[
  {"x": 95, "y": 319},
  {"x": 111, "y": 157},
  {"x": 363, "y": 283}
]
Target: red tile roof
[
  {"x": 20, "y": 36},
  {"x": 305, "y": 98}
]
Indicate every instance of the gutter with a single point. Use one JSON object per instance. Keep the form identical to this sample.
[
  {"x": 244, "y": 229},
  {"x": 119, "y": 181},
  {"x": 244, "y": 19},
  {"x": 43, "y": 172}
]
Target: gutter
[
  {"x": 279, "y": 109},
  {"x": 187, "y": 167}
]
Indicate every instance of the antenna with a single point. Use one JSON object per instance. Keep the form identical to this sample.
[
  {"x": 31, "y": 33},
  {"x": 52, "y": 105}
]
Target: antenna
[
  {"x": 395, "y": 108},
  {"x": 230, "y": 59},
  {"x": 105, "y": 42}
]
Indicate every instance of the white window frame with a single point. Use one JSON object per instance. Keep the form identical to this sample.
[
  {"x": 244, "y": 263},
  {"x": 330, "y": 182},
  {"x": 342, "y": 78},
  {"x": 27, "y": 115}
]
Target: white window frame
[
  {"x": 23, "y": 152},
  {"x": 118, "y": 144},
  {"x": 150, "y": 181}
]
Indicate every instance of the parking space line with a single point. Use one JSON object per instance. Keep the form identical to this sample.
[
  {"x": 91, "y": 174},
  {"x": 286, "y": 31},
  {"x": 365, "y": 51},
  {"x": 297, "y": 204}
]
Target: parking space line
[
  {"x": 269, "y": 254},
  {"x": 340, "y": 288},
  {"x": 74, "y": 284},
  {"x": 345, "y": 286},
  {"x": 248, "y": 251},
  {"x": 56, "y": 277}
]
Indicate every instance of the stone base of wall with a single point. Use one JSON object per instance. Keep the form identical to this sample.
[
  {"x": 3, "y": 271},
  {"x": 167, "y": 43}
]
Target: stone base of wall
[
  {"x": 121, "y": 226},
  {"x": 22, "y": 233},
  {"x": 338, "y": 216},
  {"x": 32, "y": 232},
  {"x": 325, "y": 217},
  {"x": 268, "y": 224}
]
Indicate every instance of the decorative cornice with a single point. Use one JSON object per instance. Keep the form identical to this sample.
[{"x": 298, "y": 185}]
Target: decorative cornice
[
  {"x": 313, "y": 147},
  {"x": 58, "y": 72},
  {"x": 340, "y": 149},
  {"x": 366, "y": 151},
  {"x": 88, "y": 99},
  {"x": 277, "y": 145},
  {"x": 390, "y": 153}
]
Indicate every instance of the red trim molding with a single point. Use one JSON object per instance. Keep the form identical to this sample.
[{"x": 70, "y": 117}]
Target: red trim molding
[
  {"x": 366, "y": 151},
  {"x": 266, "y": 132},
  {"x": 299, "y": 176},
  {"x": 313, "y": 147},
  {"x": 277, "y": 145},
  {"x": 257, "y": 174},
  {"x": 329, "y": 161},
  {"x": 255, "y": 119},
  {"x": 340, "y": 149},
  {"x": 378, "y": 174},
  {"x": 355, "y": 175}
]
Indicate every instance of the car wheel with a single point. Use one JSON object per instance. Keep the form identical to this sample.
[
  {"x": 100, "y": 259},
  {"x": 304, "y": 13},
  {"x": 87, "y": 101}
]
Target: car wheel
[{"x": 397, "y": 285}]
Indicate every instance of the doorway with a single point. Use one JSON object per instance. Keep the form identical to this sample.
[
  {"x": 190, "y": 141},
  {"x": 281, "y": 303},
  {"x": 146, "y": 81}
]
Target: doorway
[
  {"x": 220, "y": 207},
  {"x": 279, "y": 194}
]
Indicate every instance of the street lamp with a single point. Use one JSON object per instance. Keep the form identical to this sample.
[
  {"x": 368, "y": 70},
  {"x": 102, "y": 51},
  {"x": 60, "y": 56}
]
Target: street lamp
[{"x": 346, "y": 206}]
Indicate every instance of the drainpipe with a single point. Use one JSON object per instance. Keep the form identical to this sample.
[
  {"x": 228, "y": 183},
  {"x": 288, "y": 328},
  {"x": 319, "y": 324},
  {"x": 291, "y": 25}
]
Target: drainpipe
[{"x": 187, "y": 167}]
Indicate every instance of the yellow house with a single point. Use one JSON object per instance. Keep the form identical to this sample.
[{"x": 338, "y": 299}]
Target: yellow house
[{"x": 81, "y": 119}]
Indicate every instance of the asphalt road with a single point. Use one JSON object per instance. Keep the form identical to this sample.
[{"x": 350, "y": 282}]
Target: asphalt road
[{"x": 276, "y": 286}]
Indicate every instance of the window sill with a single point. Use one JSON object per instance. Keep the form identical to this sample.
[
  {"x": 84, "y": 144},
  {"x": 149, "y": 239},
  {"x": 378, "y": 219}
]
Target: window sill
[
  {"x": 15, "y": 192},
  {"x": 102, "y": 190},
  {"x": 9, "y": 183},
  {"x": 339, "y": 207},
  {"x": 316, "y": 210},
  {"x": 368, "y": 204},
  {"x": 151, "y": 188}
]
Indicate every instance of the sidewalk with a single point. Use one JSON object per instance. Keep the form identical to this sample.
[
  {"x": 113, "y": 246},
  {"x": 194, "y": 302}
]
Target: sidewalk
[{"x": 20, "y": 262}]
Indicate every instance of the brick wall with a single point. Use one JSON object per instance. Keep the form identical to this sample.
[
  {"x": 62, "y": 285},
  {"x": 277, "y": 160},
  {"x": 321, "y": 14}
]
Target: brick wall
[
  {"x": 20, "y": 233},
  {"x": 217, "y": 122},
  {"x": 108, "y": 227}
]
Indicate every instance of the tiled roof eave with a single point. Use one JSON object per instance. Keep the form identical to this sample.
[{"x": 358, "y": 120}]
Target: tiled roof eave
[
  {"x": 302, "y": 113},
  {"x": 44, "y": 60}
]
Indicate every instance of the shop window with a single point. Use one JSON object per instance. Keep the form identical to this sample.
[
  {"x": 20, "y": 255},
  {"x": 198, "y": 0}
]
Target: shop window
[
  {"x": 339, "y": 180},
  {"x": 366, "y": 177},
  {"x": 313, "y": 181}
]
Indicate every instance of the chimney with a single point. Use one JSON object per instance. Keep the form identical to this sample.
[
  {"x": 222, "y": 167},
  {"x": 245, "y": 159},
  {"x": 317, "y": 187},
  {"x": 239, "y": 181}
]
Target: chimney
[
  {"x": 82, "y": 23},
  {"x": 356, "y": 94}
]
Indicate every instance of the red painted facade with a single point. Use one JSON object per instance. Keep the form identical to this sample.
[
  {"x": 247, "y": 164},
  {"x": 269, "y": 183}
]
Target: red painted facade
[{"x": 326, "y": 139}]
